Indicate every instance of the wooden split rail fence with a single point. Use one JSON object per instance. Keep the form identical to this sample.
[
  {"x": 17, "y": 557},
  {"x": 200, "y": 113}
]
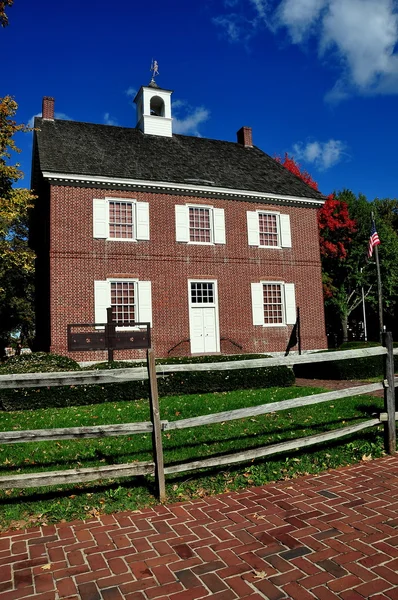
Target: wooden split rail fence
[{"x": 156, "y": 426}]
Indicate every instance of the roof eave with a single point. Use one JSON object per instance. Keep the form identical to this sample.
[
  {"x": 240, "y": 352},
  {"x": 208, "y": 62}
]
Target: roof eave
[{"x": 178, "y": 189}]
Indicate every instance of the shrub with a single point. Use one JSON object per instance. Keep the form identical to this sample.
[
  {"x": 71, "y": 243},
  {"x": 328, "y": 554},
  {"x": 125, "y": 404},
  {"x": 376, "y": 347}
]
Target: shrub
[
  {"x": 351, "y": 368},
  {"x": 38, "y": 362},
  {"x": 169, "y": 385}
]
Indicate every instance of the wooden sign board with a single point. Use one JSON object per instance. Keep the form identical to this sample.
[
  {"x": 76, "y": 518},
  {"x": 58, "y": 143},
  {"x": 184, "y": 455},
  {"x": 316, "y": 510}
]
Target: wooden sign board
[{"x": 108, "y": 337}]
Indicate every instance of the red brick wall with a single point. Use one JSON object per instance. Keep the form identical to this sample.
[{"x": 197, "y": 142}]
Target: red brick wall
[{"x": 77, "y": 260}]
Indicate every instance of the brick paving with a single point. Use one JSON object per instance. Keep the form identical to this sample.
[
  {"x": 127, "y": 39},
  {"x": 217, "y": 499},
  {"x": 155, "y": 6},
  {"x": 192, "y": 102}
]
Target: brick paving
[{"x": 331, "y": 536}]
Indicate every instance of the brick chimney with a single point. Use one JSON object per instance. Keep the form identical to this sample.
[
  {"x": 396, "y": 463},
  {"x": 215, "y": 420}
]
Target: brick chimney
[
  {"x": 244, "y": 137},
  {"x": 48, "y": 108}
]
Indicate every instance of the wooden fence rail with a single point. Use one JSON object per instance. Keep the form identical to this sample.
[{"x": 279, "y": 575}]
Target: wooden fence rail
[
  {"x": 156, "y": 426},
  {"x": 29, "y": 380}
]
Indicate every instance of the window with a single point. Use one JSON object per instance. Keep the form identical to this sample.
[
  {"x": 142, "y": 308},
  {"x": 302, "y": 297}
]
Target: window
[
  {"x": 121, "y": 222},
  {"x": 130, "y": 300},
  {"x": 268, "y": 229},
  {"x": 273, "y": 303},
  {"x": 202, "y": 293},
  {"x": 199, "y": 225},
  {"x": 120, "y": 219},
  {"x": 196, "y": 224},
  {"x": 123, "y": 301}
]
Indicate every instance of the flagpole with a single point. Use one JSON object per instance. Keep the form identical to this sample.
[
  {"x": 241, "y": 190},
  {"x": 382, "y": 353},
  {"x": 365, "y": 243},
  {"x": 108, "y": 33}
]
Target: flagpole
[
  {"x": 365, "y": 331},
  {"x": 379, "y": 289}
]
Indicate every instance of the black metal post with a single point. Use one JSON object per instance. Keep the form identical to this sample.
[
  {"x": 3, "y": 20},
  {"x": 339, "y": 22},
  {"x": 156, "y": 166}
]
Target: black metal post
[
  {"x": 110, "y": 334},
  {"x": 298, "y": 330},
  {"x": 390, "y": 432}
]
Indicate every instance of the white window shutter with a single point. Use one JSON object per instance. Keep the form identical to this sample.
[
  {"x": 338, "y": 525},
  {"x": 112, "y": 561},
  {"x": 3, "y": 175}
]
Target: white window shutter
[
  {"x": 290, "y": 303},
  {"x": 100, "y": 218},
  {"x": 142, "y": 216},
  {"x": 257, "y": 303},
  {"x": 182, "y": 223},
  {"x": 102, "y": 300},
  {"x": 286, "y": 236},
  {"x": 144, "y": 302},
  {"x": 253, "y": 234},
  {"x": 219, "y": 225}
]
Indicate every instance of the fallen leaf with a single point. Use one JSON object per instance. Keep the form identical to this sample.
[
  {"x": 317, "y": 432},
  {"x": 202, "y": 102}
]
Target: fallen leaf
[
  {"x": 260, "y": 574},
  {"x": 366, "y": 457},
  {"x": 46, "y": 567}
]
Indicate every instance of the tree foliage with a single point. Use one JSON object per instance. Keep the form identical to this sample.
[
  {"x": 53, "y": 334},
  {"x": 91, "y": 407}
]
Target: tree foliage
[
  {"x": 344, "y": 230},
  {"x": 335, "y": 225},
  {"x": 3, "y": 15},
  {"x": 16, "y": 259},
  {"x": 357, "y": 272}
]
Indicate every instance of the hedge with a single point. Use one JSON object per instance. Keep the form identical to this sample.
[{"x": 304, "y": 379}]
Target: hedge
[
  {"x": 170, "y": 385},
  {"x": 355, "y": 368}
]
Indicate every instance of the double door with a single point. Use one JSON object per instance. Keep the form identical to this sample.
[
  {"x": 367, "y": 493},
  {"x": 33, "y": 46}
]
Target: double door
[{"x": 203, "y": 317}]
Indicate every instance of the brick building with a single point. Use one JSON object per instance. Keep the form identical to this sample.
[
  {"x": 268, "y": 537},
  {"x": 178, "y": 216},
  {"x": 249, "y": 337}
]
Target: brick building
[{"x": 213, "y": 242}]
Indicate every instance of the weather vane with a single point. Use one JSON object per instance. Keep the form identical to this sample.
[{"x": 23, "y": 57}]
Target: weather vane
[{"x": 155, "y": 70}]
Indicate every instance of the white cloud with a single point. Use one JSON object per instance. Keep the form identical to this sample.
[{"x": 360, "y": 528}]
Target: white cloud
[
  {"x": 323, "y": 155},
  {"x": 233, "y": 25},
  {"x": 57, "y": 115},
  {"x": 131, "y": 91},
  {"x": 359, "y": 36},
  {"x": 364, "y": 33},
  {"x": 299, "y": 16},
  {"x": 187, "y": 119},
  {"x": 108, "y": 120}
]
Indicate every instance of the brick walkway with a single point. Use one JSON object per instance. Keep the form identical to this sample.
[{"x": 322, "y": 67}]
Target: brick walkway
[{"x": 332, "y": 536}]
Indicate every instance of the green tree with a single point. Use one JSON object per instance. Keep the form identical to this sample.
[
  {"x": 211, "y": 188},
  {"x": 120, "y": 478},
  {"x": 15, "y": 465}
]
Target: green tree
[
  {"x": 346, "y": 278},
  {"x": 16, "y": 259}
]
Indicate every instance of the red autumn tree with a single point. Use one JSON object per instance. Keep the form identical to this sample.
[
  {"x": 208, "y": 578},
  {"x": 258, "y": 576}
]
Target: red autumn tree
[{"x": 335, "y": 224}]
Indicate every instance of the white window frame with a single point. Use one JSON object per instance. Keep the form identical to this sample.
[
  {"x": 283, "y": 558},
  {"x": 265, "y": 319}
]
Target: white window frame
[
  {"x": 283, "y": 285},
  {"x": 213, "y": 304},
  {"x": 125, "y": 280},
  {"x": 137, "y": 292},
  {"x": 217, "y": 224},
  {"x": 278, "y": 228},
  {"x": 135, "y": 208},
  {"x": 283, "y": 233},
  {"x": 211, "y": 219}
]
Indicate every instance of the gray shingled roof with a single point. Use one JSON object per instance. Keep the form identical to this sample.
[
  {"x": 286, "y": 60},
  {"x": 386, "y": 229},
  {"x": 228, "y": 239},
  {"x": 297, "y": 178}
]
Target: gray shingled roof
[{"x": 71, "y": 147}]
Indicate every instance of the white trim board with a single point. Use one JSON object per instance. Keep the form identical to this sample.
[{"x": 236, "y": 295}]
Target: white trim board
[{"x": 178, "y": 188}]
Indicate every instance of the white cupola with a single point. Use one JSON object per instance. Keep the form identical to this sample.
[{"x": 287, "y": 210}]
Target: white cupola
[{"x": 154, "y": 110}]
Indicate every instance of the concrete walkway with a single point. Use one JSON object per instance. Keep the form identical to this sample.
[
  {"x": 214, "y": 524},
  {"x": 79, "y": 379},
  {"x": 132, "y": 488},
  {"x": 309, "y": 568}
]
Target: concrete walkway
[{"x": 332, "y": 536}]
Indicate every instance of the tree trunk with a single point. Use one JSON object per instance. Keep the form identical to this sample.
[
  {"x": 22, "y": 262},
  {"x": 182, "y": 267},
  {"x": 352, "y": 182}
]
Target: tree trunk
[{"x": 344, "y": 326}]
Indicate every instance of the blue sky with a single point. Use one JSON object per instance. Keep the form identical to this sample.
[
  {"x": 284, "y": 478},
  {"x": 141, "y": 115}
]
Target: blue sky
[{"x": 315, "y": 78}]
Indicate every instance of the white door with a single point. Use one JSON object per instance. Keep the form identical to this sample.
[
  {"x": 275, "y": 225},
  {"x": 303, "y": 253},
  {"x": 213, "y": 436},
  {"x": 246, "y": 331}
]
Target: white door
[{"x": 203, "y": 321}]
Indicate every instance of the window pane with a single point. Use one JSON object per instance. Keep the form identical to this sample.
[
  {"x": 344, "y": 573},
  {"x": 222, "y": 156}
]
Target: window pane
[
  {"x": 273, "y": 308},
  {"x": 121, "y": 223},
  {"x": 202, "y": 293},
  {"x": 123, "y": 301},
  {"x": 199, "y": 225},
  {"x": 268, "y": 228}
]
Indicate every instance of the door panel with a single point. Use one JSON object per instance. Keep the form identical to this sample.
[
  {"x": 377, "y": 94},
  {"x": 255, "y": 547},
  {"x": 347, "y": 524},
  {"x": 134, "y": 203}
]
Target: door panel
[
  {"x": 197, "y": 333},
  {"x": 209, "y": 329}
]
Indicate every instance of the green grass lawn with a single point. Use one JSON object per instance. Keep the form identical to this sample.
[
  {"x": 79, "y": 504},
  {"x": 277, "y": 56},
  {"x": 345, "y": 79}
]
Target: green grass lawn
[{"x": 20, "y": 507}]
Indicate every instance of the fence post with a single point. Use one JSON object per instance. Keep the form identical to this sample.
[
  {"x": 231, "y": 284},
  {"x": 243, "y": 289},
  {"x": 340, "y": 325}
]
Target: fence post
[
  {"x": 157, "y": 427},
  {"x": 110, "y": 333},
  {"x": 390, "y": 434}
]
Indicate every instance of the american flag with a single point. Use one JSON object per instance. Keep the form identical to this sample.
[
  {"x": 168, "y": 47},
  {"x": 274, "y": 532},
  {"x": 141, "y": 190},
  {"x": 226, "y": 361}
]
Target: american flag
[{"x": 373, "y": 240}]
